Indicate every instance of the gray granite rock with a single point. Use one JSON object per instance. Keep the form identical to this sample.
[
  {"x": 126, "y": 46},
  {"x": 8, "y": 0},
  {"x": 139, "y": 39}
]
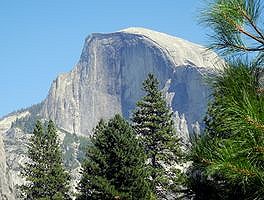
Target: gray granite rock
[
  {"x": 6, "y": 182},
  {"x": 109, "y": 75},
  {"x": 107, "y": 80}
]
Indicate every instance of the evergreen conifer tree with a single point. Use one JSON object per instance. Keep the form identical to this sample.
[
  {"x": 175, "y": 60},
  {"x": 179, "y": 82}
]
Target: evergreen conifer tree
[
  {"x": 230, "y": 153},
  {"x": 153, "y": 123},
  {"x": 232, "y": 147},
  {"x": 46, "y": 178},
  {"x": 114, "y": 165}
]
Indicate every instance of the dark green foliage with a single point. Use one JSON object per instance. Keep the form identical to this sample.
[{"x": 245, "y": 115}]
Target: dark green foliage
[
  {"x": 28, "y": 122},
  {"x": 83, "y": 143},
  {"x": 153, "y": 123},
  {"x": 72, "y": 153},
  {"x": 234, "y": 141},
  {"x": 114, "y": 165},
  {"x": 44, "y": 173},
  {"x": 68, "y": 155},
  {"x": 210, "y": 186},
  {"x": 229, "y": 158},
  {"x": 34, "y": 109}
]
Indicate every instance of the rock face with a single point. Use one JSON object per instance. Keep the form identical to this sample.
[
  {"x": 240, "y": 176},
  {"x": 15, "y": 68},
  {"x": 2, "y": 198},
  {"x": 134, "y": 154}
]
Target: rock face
[
  {"x": 5, "y": 186},
  {"x": 110, "y": 72},
  {"x": 14, "y": 155},
  {"x": 108, "y": 80},
  {"x": 6, "y": 181}
]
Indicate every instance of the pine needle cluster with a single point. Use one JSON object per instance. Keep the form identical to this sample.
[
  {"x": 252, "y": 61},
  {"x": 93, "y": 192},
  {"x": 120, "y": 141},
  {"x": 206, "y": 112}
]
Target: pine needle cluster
[
  {"x": 234, "y": 140},
  {"x": 229, "y": 157},
  {"x": 236, "y": 26}
]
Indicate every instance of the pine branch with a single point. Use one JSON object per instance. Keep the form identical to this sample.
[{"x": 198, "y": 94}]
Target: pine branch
[
  {"x": 255, "y": 123},
  {"x": 240, "y": 29},
  {"x": 253, "y": 24}
]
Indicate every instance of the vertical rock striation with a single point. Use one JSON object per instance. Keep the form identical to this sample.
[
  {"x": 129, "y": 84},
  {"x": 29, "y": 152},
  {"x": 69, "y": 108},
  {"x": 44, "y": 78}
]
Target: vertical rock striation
[
  {"x": 6, "y": 183},
  {"x": 108, "y": 77},
  {"x": 107, "y": 80}
]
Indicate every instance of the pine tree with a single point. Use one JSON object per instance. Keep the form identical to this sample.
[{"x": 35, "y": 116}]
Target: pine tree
[
  {"x": 153, "y": 123},
  {"x": 230, "y": 153},
  {"x": 46, "y": 178},
  {"x": 114, "y": 165},
  {"x": 234, "y": 140}
]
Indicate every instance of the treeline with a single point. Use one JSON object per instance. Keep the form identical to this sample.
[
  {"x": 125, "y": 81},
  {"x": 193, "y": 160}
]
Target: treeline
[{"x": 137, "y": 160}]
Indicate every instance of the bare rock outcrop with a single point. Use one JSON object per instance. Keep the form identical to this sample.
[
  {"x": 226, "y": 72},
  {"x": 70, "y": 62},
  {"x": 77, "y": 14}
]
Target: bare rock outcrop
[
  {"x": 108, "y": 77},
  {"x": 107, "y": 80}
]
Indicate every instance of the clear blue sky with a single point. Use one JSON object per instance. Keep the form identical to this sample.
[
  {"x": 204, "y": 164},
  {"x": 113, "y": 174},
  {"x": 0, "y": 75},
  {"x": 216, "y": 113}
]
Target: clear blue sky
[{"x": 41, "y": 38}]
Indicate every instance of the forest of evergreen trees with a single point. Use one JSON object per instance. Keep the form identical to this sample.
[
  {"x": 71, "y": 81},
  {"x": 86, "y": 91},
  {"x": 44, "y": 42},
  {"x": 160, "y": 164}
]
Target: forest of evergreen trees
[{"x": 142, "y": 158}]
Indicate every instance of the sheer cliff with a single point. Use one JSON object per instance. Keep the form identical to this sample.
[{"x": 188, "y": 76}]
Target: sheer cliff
[
  {"x": 6, "y": 183},
  {"x": 107, "y": 80},
  {"x": 108, "y": 77}
]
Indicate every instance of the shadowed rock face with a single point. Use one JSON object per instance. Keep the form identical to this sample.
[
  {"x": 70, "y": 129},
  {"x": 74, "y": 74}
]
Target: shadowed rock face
[
  {"x": 109, "y": 75},
  {"x": 108, "y": 80}
]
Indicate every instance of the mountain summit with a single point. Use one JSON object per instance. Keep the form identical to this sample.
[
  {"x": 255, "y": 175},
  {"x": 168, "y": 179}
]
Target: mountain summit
[
  {"x": 108, "y": 77},
  {"x": 179, "y": 51},
  {"x": 107, "y": 80}
]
